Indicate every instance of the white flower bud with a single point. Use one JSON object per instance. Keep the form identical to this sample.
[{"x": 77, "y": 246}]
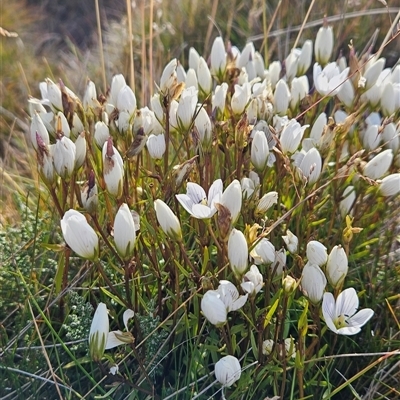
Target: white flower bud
[
  {"x": 214, "y": 308},
  {"x": 218, "y": 56},
  {"x": 53, "y": 94},
  {"x": 281, "y": 97},
  {"x": 316, "y": 253},
  {"x": 372, "y": 73},
  {"x": 259, "y": 151},
  {"x": 124, "y": 232},
  {"x": 186, "y": 108},
  {"x": 227, "y": 370},
  {"x": 391, "y": 138},
  {"x": 37, "y": 126},
  {"x": 313, "y": 282},
  {"x": 232, "y": 199},
  {"x": 80, "y": 145},
  {"x": 64, "y": 153},
  {"x": 218, "y": 100},
  {"x": 336, "y": 266},
  {"x": 238, "y": 252},
  {"x": 168, "y": 220},
  {"x": 379, "y": 165},
  {"x": 289, "y": 284},
  {"x": 157, "y": 107},
  {"x": 101, "y": 133},
  {"x": 156, "y": 146},
  {"x": 126, "y": 100},
  {"x": 79, "y": 235},
  {"x": 324, "y": 45},
  {"x": 266, "y": 202},
  {"x": 275, "y": 69},
  {"x": 240, "y": 98},
  {"x": 117, "y": 83},
  {"x": 252, "y": 281},
  {"x": 194, "y": 58},
  {"x": 304, "y": 60},
  {"x": 299, "y": 90},
  {"x": 346, "y": 93},
  {"x": 89, "y": 195},
  {"x": 204, "y": 127},
  {"x": 349, "y": 197},
  {"x": 65, "y": 129},
  {"x": 388, "y": 99},
  {"x": 311, "y": 165},
  {"x": 169, "y": 77},
  {"x": 263, "y": 252},
  {"x": 204, "y": 77},
  {"x": 113, "y": 168},
  {"x": 390, "y": 185},
  {"x": 90, "y": 97},
  {"x": 279, "y": 263},
  {"x": 191, "y": 79},
  {"x": 318, "y": 127},
  {"x": 291, "y": 136}
]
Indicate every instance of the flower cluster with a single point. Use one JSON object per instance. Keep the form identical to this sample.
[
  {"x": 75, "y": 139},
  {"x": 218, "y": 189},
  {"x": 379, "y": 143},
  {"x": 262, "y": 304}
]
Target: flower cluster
[{"x": 241, "y": 178}]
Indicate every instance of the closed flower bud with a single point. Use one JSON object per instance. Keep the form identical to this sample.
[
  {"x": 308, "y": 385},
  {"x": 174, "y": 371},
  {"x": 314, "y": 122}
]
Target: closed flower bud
[
  {"x": 156, "y": 146},
  {"x": 263, "y": 252},
  {"x": 238, "y": 252},
  {"x": 218, "y": 57},
  {"x": 388, "y": 99},
  {"x": 113, "y": 168},
  {"x": 391, "y": 138},
  {"x": 45, "y": 160},
  {"x": 311, "y": 165},
  {"x": 204, "y": 77},
  {"x": 204, "y": 127},
  {"x": 126, "y": 100},
  {"x": 318, "y": 127},
  {"x": 89, "y": 196},
  {"x": 186, "y": 108},
  {"x": 346, "y": 93},
  {"x": 291, "y": 241},
  {"x": 227, "y": 370},
  {"x": 291, "y": 136},
  {"x": 101, "y": 133},
  {"x": 90, "y": 97},
  {"x": 316, "y": 253},
  {"x": 336, "y": 266},
  {"x": 53, "y": 94},
  {"x": 117, "y": 83},
  {"x": 289, "y": 284},
  {"x": 266, "y": 202},
  {"x": 240, "y": 98},
  {"x": 304, "y": 60},
  {"x": 124, "y": 232},
  {"x": 64, "y": 156},
  {"x": 79, "y": 235},
  {"x": 372, "y": 73},
  {"x": 191, "y": 79},
  {"x": 98, "y": 334},
  {"x": 259, "y": 151},
  {"x": 194, "y": 58},
  {"x": 274, "y": 70},
  {"x": 169, "y": 80},
  {"x": 379, "y": 165},
  {"x": 80, "y": 145},
  {"x": 279, "y": 263},
  {"x": 38, "y": 127},
  {"x": 219, "y": 97},
  {"x": 168, "y": 220},
  {"x": 313, "y": 282},
  {"x": 299, "y": 90},
  {"x": 157, "y": 107},
  {"x": 390, "y": 185},
  {"x": 281, "y": 98},
  {"x": 324, "y": 45},
  {"x": 232, "y": 199}
]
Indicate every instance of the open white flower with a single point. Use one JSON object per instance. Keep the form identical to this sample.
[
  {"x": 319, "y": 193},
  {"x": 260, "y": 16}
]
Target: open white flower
[
  {"x": 230, "y": 296},
  {"x": 341, "y": 315},
  {"x": 195, "y": 201},
  {"x": 214, "y": 308},
  {"x": 252, "y": 281},
  {"x": 328, "y": 81},
  {"x": 116, "y": 338}
]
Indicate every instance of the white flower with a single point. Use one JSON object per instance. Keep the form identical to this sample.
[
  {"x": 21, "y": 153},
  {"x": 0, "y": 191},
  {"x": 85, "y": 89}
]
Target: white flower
[
  {"x": 98, "y": 334},
  {"x": 391, "y": 138},
  {"x": 299, "y": 89},
  {"x": 203, "y": 126},
  {"x": 218, "y": 56},
  {"x": 373, "y": 71},
  {"x": 45, "y": 159},
  {"x": 341, "y": 315},
  {"x": 252, "y": 281},
  {"x": 263, "y": 252},
  {"x": 291, "y": 136},
  {"x": 101, "y": 133},
  {"x": 62, "y": 124},
  {"x": 379, "y": 165},
  {"x": 156, "y": 146},
  {"x": 80, "y": 146},
  {"x": 279, "y": 263},
  {"x": 124, "y": 232},
  {"x": 336, "y": 266},
  {"x": 113, "y": 168},
  {"x": 89, "y": 195},
  {"x": 168, "y": 220},
  {"x": 232, "y": 199},
  {"x": 328, "y": 81},
  {"x": 324, "y": 44},
  {"x": 310, "y": 165},
  {"x": 259, "y": 150},
  {"x": 214, "y": 308},
  {"x": 240, "y": 98},
  {"x": 228, "y": 370},
  {"x": 191, "y": 79},
  {"x": 79, "y": 235},
  {"x": 90, "y": 97},
  {"x": 291, "y": 241},
  {"x": 156, "y": 106},
  {"x": 194, "y": 58},
  {"x": 267, "y": 347},
  {"x": 168, "y": 79},
  {"x": 346, "y": 93},
  {"x": 230, "y": 296},
  {"x": 64, "y": 153},
  {"x": 126, "y": 100},
  {"x": 266, "y": 202},
  {"x": 51, "y": 94},
  {"x": 117, "y": 83},
  {"x": 195, "y": 201},
  {"x": 238, "y": 252},
  {"x": 316, "y": 253},
  {"x": 318, "y": 127},
  {"x": 218, "y": 100},
  {"x": 289, "y": 284},
  {"x": 313, "y": 282},
  {"x": 37, "y": 126},
  {"x": 274, "y": 70},
  {"x": 390, "y": 185},
  {"x": 204, "y": 77},
  {"x": 281, "y": 97},
  {"x": 186, "y": 108},
  {"x": 304, "y": 60}
]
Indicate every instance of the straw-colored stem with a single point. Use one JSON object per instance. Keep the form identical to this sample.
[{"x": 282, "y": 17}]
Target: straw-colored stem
[
  {"x": 131, "y": 64},
  {"x": 304, "y": 23},
  {"x": 103, "y": 67}
]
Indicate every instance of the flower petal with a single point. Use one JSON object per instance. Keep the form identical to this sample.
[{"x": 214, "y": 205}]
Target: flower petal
[
  {"x": 186, "y": 202},
  {"x": 195, "y": 192},
  {"x": 347, "y": 303},
  {"x": 112, "y": 340},
  {"x": 214, "y": 191},
  {"x": 361, "y": 318},
  {"x": 201, "y": 211}
]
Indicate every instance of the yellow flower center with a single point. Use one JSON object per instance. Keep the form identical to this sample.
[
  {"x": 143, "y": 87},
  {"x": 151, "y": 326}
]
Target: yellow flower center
[{"x": 340, "y": 321}]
